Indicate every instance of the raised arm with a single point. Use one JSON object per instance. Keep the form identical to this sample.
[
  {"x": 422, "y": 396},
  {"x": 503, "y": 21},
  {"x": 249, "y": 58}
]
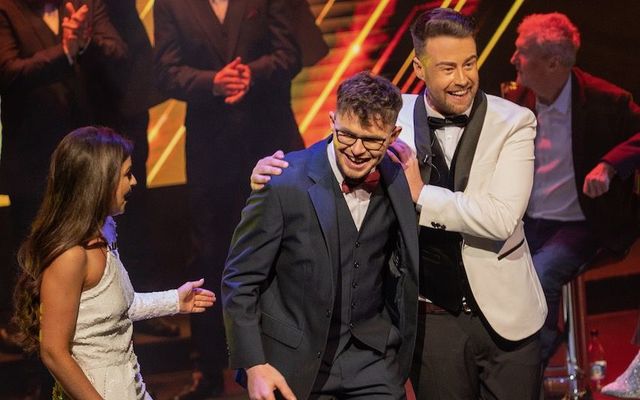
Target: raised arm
[
  {"x": 20, "y": 73},
  {"x": 495, "y": 212}
]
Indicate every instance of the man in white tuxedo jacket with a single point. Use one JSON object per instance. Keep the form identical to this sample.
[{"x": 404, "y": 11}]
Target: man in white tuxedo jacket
[{"x": 468, "y": 158}]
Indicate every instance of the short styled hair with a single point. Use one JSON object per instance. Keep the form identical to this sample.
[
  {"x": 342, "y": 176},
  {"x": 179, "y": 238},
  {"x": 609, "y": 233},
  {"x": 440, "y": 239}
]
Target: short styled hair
[
  {"x": 373, "y": 99},
  {"x": 440, "y": 22},
  {"x": 551, "y": 34}
]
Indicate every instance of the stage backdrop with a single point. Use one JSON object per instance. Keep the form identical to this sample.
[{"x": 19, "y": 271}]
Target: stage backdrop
[{"x": 373, "y": 35}]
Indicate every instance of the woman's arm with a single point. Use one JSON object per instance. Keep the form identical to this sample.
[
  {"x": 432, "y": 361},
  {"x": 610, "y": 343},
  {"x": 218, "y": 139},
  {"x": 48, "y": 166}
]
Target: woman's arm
[{"x": 62, "y": 284}]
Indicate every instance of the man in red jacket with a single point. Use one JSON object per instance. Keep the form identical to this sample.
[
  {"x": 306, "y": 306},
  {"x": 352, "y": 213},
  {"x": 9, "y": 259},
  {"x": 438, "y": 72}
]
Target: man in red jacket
[{"x": 587, "y": 137}]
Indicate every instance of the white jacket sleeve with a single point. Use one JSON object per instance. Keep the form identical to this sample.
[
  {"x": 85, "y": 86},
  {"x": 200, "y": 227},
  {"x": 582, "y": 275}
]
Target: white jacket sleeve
[
  {"x": 500, "y": 183},
  {"x": 154, "y": 304}
]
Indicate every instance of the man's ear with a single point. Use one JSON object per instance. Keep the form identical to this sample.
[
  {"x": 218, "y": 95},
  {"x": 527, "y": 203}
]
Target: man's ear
[
  {"x": 418, "y": 68},
  {"x": 394, "y": 134},
  {"x": 332, "y": 118}
]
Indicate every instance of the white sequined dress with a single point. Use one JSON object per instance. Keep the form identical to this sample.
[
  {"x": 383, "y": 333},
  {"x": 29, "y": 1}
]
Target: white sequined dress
[{"x": 102, "y": 344}]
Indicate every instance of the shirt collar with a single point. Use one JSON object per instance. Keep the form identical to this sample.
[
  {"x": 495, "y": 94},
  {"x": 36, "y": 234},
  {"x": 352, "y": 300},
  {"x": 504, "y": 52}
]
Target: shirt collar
[{"x": 562, "y": 103}]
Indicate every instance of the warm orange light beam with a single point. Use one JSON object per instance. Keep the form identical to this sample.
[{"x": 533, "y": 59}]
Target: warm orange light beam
[
  {"x": 351, "y": 53},
  {"x": 146, "y": 10},
  {"x": 324, "y": 11},
  {"x": 165, "y": 154},
  {"x": 404, "y": 68},
  {"x": 459, "y": 6},
  {"x": 498, "y": 33}
]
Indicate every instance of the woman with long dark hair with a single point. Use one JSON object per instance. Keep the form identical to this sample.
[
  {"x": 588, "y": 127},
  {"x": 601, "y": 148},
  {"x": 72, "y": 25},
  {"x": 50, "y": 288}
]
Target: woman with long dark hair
[{"x": 74, "y": 301}]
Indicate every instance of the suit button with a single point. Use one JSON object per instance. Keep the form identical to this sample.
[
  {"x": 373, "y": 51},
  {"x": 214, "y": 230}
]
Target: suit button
[
  {"x": 443, "y": 227},
  {"x": 354, "y": 285},
  {"x": 328, "y": 313},
  {"x": 318, "y": 354},
  {"x": 351, "y": 325},
  {"x": 353, "y": 305},
  {"x": 357, "y": 244},
  {"x": 434, "y": 224},
  {"x": 356, "y": 265}
]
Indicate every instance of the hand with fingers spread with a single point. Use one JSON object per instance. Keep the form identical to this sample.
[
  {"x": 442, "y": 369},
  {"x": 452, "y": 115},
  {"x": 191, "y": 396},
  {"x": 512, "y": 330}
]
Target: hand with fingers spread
[
  {"x": 265, "y": 168},
  {"x": 195, "y": 299},
  {"x": 401, "y": 153},
  {"x": 263, "y": 380},
  {"x": 75, "y": 32},
  {"x": 597, "y": 181}
]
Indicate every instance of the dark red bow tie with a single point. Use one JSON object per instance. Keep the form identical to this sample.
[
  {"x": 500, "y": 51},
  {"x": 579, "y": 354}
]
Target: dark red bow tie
[{"x": 369, "y": 184}]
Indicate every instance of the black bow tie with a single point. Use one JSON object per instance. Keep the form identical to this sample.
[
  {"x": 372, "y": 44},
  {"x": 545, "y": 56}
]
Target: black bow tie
[{"x": 455, "y": 120}]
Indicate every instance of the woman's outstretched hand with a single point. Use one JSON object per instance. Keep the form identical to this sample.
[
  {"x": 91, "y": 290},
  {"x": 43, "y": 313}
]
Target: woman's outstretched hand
[{"x": 194, "y": 298}]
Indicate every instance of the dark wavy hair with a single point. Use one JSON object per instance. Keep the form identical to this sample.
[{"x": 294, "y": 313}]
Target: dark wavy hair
[
  {"x": 373, "y": 99},
  {"x": 440, "y": 22},
  {"x": 83, "y": 177}
]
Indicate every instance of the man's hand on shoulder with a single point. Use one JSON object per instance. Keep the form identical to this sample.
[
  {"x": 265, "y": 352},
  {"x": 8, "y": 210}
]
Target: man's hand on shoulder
[
  {"x": 597, "y": 181},
  {"x": 266, "y": 167},
  {"x": 401, "y": 153},
  {"x": 263, "y": 380}
]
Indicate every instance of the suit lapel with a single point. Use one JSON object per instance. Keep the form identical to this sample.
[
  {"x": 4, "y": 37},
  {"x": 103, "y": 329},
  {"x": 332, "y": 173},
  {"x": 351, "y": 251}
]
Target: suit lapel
[
  {"x": 467, "y": 147},
  {"x": 323, "y": 199},
  {"x": 422, "y": 138},
  {"x": 400, "y": 198},
  {"x": 45, "y": 35},
  {"x": 205, "y": 17},
  {"x": 578, "y": 123},
  {"x": 232, "y": 25}
]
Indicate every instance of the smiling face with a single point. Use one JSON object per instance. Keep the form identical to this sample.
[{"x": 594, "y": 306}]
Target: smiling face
[
  {"x": 448, "y": 66},
  {"x": 125, "y": 185},
  {"x": 355, "y": 161}
]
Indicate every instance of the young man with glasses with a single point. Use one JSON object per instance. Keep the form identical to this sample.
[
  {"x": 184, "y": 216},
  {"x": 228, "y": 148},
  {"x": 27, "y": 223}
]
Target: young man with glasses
[
  {"x": 468, "y": 158},
  {"x": 320, "y": 286}
]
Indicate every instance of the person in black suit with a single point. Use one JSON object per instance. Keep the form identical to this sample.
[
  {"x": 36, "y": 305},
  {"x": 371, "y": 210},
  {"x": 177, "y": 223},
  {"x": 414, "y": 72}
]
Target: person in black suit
[
  {"x": 582, "y": 196},
  {"x": 232, "y": 62},
  {"x": 127, "y": 112},
  {"x": 54, "y": 56},
  {"x": 320, "y": 285},
  {"x": 44, "y": 73}
]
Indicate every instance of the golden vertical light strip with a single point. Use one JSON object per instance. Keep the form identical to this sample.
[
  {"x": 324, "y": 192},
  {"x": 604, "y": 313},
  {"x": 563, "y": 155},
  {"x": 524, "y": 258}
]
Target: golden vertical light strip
[
  {"x": 147, "y": 9},
  {"x": 151, "y": 176},
  {"x": 153, "y": 132},
  {"x": 324, "y": 11},
  {"x": 404, "y": 68},
  {"x": 351, "y": 53},
  {"x": 459, "y": 6},
  {"x": 407, "y": 84},
  {"x": 498, "y": 33},
  {"x": 445, "y": 4}
]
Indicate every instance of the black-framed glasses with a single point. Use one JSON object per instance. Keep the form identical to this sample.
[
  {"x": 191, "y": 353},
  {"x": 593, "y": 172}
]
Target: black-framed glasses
[{"x": 349, "y": 139}]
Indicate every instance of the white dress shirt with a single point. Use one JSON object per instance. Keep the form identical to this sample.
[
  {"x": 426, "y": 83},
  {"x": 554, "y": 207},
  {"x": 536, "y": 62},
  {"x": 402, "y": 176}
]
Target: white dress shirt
[
  {"x": 554, "y": 195},
  {"x": 357, "y": 200},
  {"x": 448, "y": 138}
]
